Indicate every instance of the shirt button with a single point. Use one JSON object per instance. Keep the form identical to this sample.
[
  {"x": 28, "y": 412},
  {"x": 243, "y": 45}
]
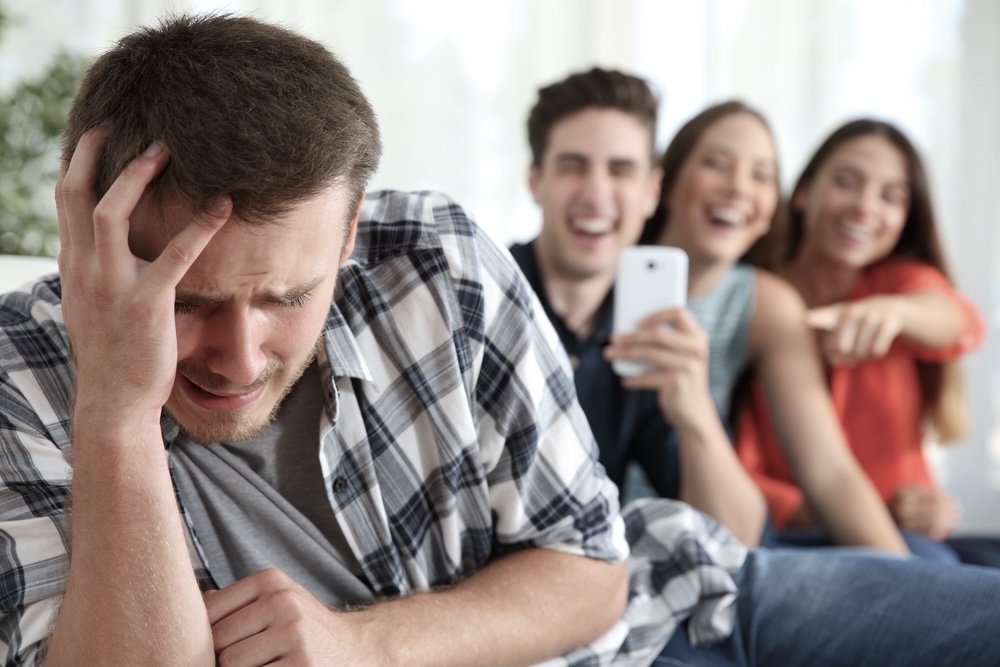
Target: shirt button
[
  {"x": 339, "y": 485},
  {"x": 574, "y": 361}
]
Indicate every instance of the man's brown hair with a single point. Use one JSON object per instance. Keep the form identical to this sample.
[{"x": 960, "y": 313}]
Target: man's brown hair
[
  {"x": 595, "y": 89},
  {"x": 247, "y": 109}
]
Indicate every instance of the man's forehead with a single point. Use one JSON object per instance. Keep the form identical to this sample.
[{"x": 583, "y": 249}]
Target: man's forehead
[
  {"x": 154, "y": 223},
  {"x": 600, "y": 134}
]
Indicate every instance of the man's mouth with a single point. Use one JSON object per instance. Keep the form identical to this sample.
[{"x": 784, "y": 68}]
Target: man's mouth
[
  {"x": 219, "y": 399},
  {"x": 592, "y": 226}
]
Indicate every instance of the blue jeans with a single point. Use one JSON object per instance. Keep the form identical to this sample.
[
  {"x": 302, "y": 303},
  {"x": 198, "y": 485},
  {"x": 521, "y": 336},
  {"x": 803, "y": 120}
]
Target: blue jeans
[
  {"x": 815, "y": 538},
  {"x": 851, "y": 609},
  {"x": 973, "y": 550}
]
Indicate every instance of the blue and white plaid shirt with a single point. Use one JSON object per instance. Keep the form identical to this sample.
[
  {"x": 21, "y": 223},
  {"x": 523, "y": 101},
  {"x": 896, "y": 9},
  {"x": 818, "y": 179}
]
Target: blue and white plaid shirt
[{"x": 451, "y": 436}]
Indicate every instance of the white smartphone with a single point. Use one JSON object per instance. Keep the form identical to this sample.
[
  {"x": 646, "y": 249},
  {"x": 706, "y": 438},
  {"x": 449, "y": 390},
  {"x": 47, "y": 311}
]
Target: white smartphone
[{"x": 649, "y": 279}]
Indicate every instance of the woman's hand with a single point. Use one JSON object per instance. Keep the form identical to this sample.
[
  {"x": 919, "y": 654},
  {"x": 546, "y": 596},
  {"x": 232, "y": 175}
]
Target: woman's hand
[
  {"x": 852, "y": 331},
  {"x": 919, "y": 509}
]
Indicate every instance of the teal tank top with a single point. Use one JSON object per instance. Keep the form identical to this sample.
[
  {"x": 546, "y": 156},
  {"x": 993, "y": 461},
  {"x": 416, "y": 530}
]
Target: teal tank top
[{"x": 724, "y": 314}]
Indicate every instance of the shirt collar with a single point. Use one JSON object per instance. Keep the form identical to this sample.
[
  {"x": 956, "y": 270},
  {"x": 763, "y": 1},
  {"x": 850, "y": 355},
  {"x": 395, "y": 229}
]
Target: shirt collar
[{"x": 341, "y": 347}]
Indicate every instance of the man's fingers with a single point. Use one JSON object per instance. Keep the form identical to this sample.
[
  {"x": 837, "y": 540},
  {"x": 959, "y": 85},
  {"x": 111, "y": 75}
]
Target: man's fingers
[
  {"x": 679, "y": 318},
  {"x": 223, "y": 602},
  {"x": 240, "y": 625},
  {"x": 260, "y": 649},
  {"x": 112, "y": 214},
  {"x": 649, "y": 342},
  {"x": 185, "y": 247},
  {"x": 76, "y": 193}
]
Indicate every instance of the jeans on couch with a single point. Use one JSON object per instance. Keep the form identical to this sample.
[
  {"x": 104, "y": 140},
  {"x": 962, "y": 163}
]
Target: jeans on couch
[{"x": 848, "y": 608}]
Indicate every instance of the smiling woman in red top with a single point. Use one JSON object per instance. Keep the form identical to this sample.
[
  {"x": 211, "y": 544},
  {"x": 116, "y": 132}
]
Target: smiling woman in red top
[{"x": 862, "y": 249}]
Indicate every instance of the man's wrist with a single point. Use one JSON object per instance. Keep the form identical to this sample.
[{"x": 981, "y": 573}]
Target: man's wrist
[{"x": 92, "y": 424}]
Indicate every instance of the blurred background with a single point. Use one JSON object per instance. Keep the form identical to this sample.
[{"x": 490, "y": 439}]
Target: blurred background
[{"x": 452, "y": 82}]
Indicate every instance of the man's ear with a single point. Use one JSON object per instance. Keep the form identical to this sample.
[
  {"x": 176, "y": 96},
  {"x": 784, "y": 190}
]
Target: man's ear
[
  {"x": 352, "y": 232},
  {"x": 533, "y": 179}
]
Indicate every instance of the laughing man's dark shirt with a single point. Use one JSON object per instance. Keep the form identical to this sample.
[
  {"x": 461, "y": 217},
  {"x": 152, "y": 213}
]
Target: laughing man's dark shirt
[{"x": 628, "y": 425}]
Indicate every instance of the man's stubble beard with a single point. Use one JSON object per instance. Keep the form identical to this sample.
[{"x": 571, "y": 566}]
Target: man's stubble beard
[{"x": 235, "y": 427}]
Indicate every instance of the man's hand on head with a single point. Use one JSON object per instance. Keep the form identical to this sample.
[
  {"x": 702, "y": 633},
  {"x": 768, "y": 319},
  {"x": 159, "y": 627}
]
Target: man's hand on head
[{"x": 119, "y": 308}]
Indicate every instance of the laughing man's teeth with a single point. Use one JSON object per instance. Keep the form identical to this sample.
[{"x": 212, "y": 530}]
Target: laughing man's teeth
[
  {"x": 593, "y": 225},
  {"x": 728, "y": 216}
]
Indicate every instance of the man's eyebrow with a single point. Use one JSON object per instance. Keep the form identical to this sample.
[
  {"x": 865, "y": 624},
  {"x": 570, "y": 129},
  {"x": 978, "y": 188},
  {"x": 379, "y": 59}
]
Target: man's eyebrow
[
  {"x": 579, "y": 158},
  {"x": 195, "y": 298},
  {"x": 572, "y": 157},
  {"x": 620, "y": 162}
]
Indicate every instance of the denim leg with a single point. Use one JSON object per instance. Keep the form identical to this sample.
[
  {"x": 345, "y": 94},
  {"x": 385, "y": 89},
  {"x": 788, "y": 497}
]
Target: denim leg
[
  {"x": 833, "y": 608},
  {"x": 679, "y": 652},
  {"x": 815, "y": 538},
  {"x": 977, "y": 550},
  {"x": 931, "y": 549}
]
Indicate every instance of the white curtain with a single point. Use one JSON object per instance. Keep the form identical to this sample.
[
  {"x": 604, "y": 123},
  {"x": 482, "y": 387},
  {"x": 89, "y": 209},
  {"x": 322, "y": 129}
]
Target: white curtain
[{"x": 453, "y": 80}]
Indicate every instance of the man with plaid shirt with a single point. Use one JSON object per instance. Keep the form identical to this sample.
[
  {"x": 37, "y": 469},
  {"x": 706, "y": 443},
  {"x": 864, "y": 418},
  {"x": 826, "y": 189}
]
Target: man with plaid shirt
[{"x": 260, "y": 418}]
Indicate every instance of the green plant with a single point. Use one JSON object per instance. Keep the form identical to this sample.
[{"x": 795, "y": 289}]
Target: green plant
[{"x": 32, "y": 116}]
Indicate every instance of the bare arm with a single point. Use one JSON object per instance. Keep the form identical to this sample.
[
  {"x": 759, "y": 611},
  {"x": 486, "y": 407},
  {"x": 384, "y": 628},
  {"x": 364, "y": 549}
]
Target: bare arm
[
  {"x": 785, "y": 355},
  {"x": 863, "y": 329},
  {"x": 712, "y": 478},
  {"x": 131, "y": 596},
  {"x": 521, "y": 609}
]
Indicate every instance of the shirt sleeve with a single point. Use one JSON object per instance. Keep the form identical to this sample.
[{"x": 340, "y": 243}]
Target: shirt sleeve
[
  {"x": 908, "y": 277},
  {"x": 34, "y": 490},
  {"x": 546, "y": 486}
]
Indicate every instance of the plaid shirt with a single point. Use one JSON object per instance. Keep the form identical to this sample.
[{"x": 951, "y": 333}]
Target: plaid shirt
[{"x": 451, "y": 436}]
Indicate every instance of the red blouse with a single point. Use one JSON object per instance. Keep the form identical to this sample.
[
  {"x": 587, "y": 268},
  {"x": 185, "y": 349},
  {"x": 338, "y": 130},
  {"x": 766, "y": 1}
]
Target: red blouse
[{"x": 877, "y": 401}]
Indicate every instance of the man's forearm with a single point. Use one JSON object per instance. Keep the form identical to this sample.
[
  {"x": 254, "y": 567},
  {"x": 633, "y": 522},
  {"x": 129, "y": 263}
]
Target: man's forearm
[
  {"x": 131, "y": 595},
  {"x": 521, "y": 609}
]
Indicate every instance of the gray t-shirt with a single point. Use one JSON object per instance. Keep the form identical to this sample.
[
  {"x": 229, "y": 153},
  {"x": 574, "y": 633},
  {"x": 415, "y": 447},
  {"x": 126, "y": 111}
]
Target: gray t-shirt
[{"x": 263, "y": 503}]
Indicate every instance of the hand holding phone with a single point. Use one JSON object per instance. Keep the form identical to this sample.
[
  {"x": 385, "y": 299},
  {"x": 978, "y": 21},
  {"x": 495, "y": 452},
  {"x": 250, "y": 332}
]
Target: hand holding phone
[{"x": 649, "y": 279}]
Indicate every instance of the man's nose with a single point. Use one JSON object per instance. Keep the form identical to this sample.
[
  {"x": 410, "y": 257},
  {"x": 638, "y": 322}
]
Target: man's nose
[
  {"x": 236, "y": 345},
  {"x": 598, "y": 187}
]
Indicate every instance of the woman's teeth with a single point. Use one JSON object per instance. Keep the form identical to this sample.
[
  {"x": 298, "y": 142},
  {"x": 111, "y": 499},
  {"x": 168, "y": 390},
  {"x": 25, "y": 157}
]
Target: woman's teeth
[
  {"x": 728, "y": 216},
  {"x": 854, "y": 232}
]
